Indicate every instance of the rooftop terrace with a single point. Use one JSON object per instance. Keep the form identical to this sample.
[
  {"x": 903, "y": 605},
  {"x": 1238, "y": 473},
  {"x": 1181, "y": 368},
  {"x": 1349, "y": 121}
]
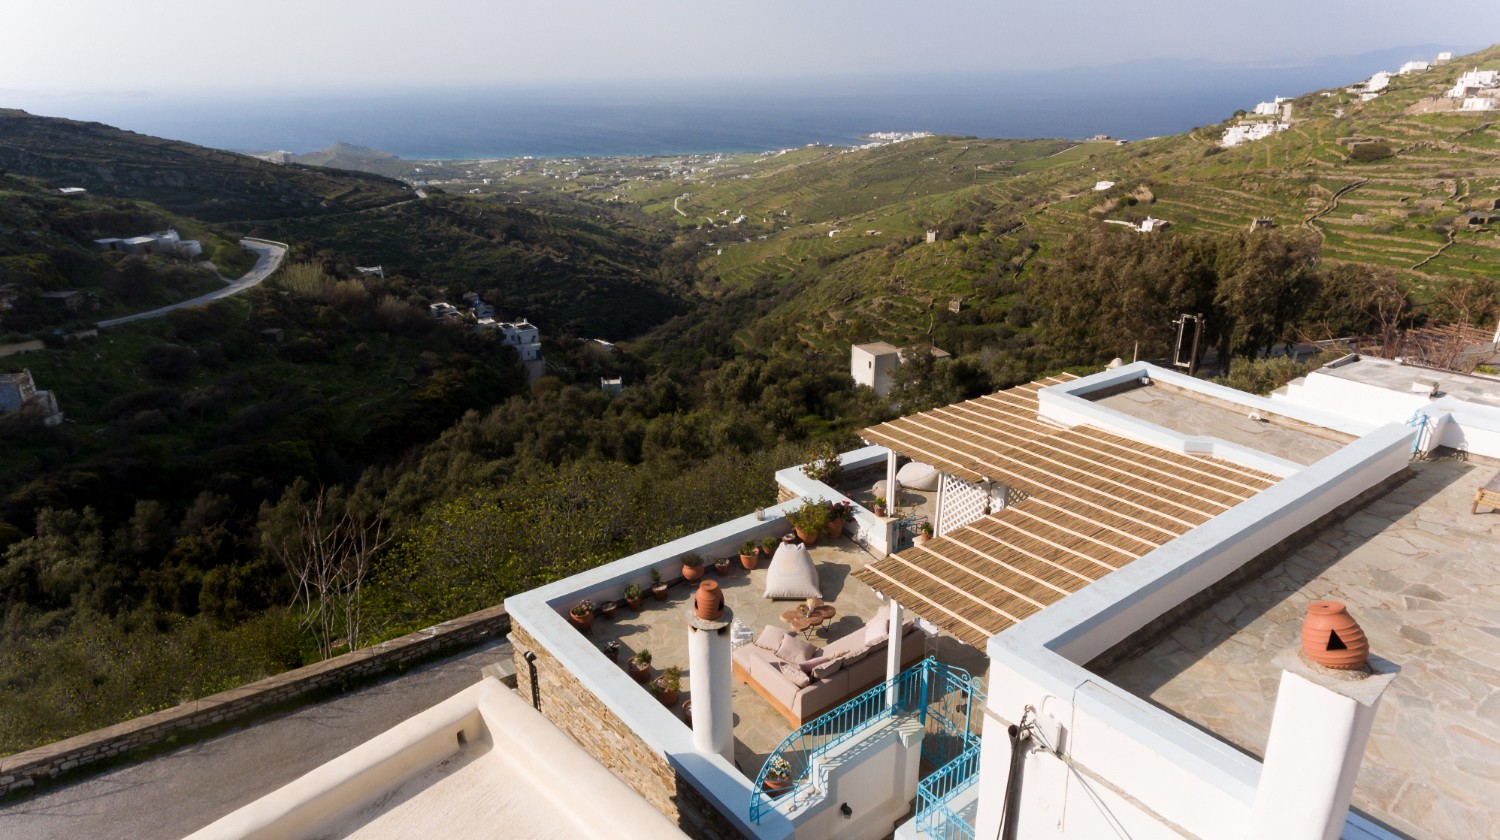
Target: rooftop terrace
[
  {"x": 1417, "y": 571},
  {"x": 759, "y": 728}
]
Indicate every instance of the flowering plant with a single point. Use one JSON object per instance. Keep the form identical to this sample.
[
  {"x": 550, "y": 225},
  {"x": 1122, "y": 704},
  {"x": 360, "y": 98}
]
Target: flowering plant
[
  {"x": 778, "y": 768},
  {"x": 584, "y": 607}
]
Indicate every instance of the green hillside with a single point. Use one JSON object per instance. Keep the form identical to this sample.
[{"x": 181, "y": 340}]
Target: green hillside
[{"x": 208, "y": 184}]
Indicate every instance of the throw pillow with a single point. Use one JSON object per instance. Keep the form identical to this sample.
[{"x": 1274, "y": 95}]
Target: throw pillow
[
  {"x": 771, "y": 638},
  {"x": 828, "y": 667},
  {"x": 795, "y": 651},
  {"x": 875, "y": 631},
  {"x": 808, "y": 665},
  {"x": 794, "y": 674}
]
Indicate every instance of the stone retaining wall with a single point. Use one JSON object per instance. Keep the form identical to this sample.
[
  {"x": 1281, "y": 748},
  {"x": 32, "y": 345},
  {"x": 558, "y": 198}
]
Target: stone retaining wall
[
  {"x": 25, "y": 769},
  {"x": 590, "y": 722}
]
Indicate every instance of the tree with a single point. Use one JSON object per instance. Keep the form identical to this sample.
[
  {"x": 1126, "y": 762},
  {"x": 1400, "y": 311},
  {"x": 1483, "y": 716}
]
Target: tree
[{"x": 327, "y": 543}]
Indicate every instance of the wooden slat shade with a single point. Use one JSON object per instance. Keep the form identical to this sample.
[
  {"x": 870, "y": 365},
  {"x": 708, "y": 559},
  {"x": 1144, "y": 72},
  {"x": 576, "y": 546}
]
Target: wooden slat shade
[{"x": 1095, "y": 502}]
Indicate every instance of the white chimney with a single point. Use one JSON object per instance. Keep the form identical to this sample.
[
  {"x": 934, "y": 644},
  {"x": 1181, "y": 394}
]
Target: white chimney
[{"x": 712, "y": 682}]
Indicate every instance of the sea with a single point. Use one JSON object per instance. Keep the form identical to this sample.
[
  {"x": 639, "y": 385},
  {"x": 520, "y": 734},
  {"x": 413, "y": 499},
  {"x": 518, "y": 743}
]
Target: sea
[{"x": 1129, "y": 101}]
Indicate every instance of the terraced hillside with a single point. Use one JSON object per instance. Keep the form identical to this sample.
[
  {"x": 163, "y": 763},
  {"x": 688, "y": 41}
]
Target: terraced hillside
[{"x": 840, "y": 233}]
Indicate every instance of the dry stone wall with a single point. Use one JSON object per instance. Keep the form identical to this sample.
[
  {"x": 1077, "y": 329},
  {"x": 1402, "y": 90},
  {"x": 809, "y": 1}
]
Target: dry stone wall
[
  {"x": 26, "y": 769},
  {"x": 589, "y": 721}
]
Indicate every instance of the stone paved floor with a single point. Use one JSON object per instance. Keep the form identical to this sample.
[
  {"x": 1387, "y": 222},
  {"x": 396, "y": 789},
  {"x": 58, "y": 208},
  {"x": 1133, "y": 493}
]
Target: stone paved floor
[
  {"x": 758, "y": 728},
  {"x": 1418, "y": 572},
  {"x": 1183, "y": 412}
]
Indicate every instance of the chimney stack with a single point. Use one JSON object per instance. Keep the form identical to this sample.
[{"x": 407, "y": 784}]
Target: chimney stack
[{"x": 709, "y": 669}]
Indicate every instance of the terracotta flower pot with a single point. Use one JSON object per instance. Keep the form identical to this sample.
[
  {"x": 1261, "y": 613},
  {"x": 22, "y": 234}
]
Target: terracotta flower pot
[
  {"x": 1332, "y": 638},
  {"x": 667, "y": 696},
  {"x": 807, "y": 538},
  {"x": 638, "y": 671},
  {"x": 708, "y": 601},
  {"x": 835, "y": 529},
  {"x": 582, "y": 622},
  {"x": 633, "y": 603},
  {"x": 920, "y": 539},
  {"x": 689, "y": 573},
  {"x": 607, "y": 609},
  {"x": 659, "y": 592},
  {"x": 776, "y": 787},
  {"x": 750, "y": 561},
  {"x": 687, "y": 712},
  {"x": 880, "y": 511},
  {"x": 722, "y": 567}
]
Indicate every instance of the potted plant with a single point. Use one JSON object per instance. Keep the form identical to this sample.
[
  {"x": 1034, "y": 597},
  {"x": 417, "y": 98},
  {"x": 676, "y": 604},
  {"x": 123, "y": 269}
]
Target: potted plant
[
  {"x": 687, "y": 712},
  {"x": 668, "y": 685},
  {"x": 879, "y": 505},
  {"x": 639, "y": 666},
  {"x": 768, "y": 547},
  {"x": 825, "y": 465},
  {"x": 633, "y": 596},
  {"x": 611, "y": 650},
  {"x": 838, "y": 514},
  {"x": 607, "y": 609},
  {"x": 658, "y": 589},
  {"x": 583, "y": 614},
  {"x": 749, "y": 554},
  {"x": 924, "y": 533},
  {"x": 810, "y": 520},
  {"x": 692, "y": 566},
  {"x": 778, "y": 776},
  {"x": 722, "y": 566}
]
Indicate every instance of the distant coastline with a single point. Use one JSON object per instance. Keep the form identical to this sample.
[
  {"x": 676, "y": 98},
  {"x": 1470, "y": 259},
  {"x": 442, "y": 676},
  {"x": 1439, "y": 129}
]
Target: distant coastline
[{"x": 1130, "y": 102}]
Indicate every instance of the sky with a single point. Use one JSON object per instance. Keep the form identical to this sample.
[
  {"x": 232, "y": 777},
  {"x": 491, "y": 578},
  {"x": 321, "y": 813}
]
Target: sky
[{"x": 94, "y": 47}]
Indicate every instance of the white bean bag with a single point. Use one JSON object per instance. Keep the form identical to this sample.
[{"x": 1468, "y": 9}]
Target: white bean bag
[
  {"x": 792, "y": 574},
  {"x": 918, "y": 476}
]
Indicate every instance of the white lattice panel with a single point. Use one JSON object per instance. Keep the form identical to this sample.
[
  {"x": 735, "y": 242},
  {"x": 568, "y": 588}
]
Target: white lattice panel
[{"x": 962, "y": 503}]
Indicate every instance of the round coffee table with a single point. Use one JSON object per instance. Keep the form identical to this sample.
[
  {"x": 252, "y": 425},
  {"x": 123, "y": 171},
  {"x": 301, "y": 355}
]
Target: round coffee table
[{"x": 805, "y": 620}]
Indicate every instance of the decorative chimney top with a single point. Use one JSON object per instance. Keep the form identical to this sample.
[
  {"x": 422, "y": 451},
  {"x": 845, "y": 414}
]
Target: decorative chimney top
[
  {"x": 708, "y": 601},
  {"x": 1332, "y": 638}
]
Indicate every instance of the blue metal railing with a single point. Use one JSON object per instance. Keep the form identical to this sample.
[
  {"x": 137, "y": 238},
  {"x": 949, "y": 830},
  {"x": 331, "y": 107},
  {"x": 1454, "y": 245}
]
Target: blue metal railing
[
  {"x": 1419, "y": 421},
  {"x": 949, "y": 691},
  {"x": 934, "y": 817}
]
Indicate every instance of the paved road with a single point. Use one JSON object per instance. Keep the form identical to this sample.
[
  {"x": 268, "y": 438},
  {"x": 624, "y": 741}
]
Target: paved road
[
  {"x": 175, "y": 794},
  {"x": 269, "y": 260}
]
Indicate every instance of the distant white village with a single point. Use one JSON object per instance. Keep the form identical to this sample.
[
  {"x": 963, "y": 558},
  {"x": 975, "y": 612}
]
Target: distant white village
[
  {"x": 520, "y": 334},
  {"x": 165, "y": 243},
  {"x": 1475, "y": 90}
]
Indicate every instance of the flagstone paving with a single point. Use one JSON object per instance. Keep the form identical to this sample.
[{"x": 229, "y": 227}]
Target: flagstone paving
[
  {"x": 660, "y": 627},
  {"x": 1419, "y": 573}
]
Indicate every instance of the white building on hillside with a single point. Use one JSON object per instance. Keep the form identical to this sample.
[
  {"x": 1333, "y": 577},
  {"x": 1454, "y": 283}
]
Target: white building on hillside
[
  {"x": 19, "y": 395},
  {"x": 166, "y": 242},
  {"x": 1414, "y": 67},
  {"x": 1478, "y": 103},
  {"x": 1270, "y": 109},
  {"x": 1250, "y": 131},
  {"x": 873, "y": 364},
  {"x": 1378, "y": 82}
]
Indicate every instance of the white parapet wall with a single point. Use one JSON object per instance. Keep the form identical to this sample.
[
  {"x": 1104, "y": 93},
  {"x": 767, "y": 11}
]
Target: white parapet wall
[{"x": 1123, "y": 767}]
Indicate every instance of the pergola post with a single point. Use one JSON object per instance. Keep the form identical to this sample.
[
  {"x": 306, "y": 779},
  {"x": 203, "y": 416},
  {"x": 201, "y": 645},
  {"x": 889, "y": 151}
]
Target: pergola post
[
  {"x": 893, "y": 651},
  {"x": 892, "y": 496}
]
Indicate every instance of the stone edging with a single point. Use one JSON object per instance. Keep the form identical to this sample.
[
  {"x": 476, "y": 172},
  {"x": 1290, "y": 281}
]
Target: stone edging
[{"x": 26, "y": 769}]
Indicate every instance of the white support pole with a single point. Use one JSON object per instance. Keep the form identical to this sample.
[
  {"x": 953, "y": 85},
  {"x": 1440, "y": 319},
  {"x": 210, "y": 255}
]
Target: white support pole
[
  {"x": 892, "y": 496},
  {"x": 709, "y": 668},
  {"x": 893, "y": 650},
  {"x": 1318, "y": 735}
]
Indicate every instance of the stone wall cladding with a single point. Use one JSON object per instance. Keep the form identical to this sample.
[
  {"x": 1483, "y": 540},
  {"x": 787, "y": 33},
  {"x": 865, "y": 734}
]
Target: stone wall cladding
[
  {"x": 27, "y": 769},
  {"x": 590, "y": 722}
]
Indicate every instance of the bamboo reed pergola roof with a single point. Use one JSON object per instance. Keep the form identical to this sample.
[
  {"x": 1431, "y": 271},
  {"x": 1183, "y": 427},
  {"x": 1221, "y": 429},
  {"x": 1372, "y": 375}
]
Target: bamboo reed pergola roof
[{"x": 1093, "y": 502}]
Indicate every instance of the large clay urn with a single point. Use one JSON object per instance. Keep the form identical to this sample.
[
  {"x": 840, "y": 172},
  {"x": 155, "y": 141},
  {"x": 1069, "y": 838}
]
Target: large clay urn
[
  {"x": 708, "y": 601},
  {"x": 1332, "y": 638}
]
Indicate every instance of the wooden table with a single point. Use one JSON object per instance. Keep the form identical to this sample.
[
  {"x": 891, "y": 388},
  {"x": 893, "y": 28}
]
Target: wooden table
[{"x": 809, "y": 621}]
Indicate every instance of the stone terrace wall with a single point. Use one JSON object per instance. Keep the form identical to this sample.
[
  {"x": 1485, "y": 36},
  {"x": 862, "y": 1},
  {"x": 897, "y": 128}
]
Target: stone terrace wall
[
  {"x": 26, "y": 769},
  {"x": 577, "y": 711}
]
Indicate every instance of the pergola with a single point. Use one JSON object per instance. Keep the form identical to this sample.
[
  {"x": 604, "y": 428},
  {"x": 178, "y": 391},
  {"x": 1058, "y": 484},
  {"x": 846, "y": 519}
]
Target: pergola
[{"x": 1084, "y": 503}]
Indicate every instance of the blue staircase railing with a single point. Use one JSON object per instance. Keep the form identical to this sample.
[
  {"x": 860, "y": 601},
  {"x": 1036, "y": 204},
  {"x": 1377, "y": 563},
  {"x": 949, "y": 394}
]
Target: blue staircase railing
[
  {"x": 934, "y": 816},
  {"x": 1419, "y": 422},
  {"x": 934, "y": 693}
]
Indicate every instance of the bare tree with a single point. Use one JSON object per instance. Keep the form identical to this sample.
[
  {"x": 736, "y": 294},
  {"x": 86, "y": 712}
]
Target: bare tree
[{"x": 326, "y": 544}]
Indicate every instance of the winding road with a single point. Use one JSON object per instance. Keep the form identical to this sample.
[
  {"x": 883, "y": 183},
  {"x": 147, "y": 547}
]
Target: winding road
[{"x": 269, "y": 259}]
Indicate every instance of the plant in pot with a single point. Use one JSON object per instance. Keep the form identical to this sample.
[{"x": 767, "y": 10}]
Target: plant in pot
[
  {"x": 810, "y": 520},
  {"x": 722, "y": 566},
  {"x": 825, "y": 465},
  {"x": 658, "y": 589},
  {"x": 924, "y": 533},
  {"x": 633, "y": 596},
  {"x": 611, "y": 650},
  {"x": 687, "y": 712},
  {"x": 607, "y": 609},
  {"x": 668, "y": 685},
  {"x": 583, "y": 614},
  {"x": 692, "y": 566},
  {"x": 838, "y": 514},
  {"x": 879, "y": 505},
  {"x": 639, "y": 666},
  {"x": 778, "y": 776},
  {"x": 749, "y": 554},
  {"x": 768, "y": 547}
]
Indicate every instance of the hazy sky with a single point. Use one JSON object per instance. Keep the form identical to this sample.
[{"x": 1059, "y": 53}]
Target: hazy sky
[{"x": 104, "y": 45}]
